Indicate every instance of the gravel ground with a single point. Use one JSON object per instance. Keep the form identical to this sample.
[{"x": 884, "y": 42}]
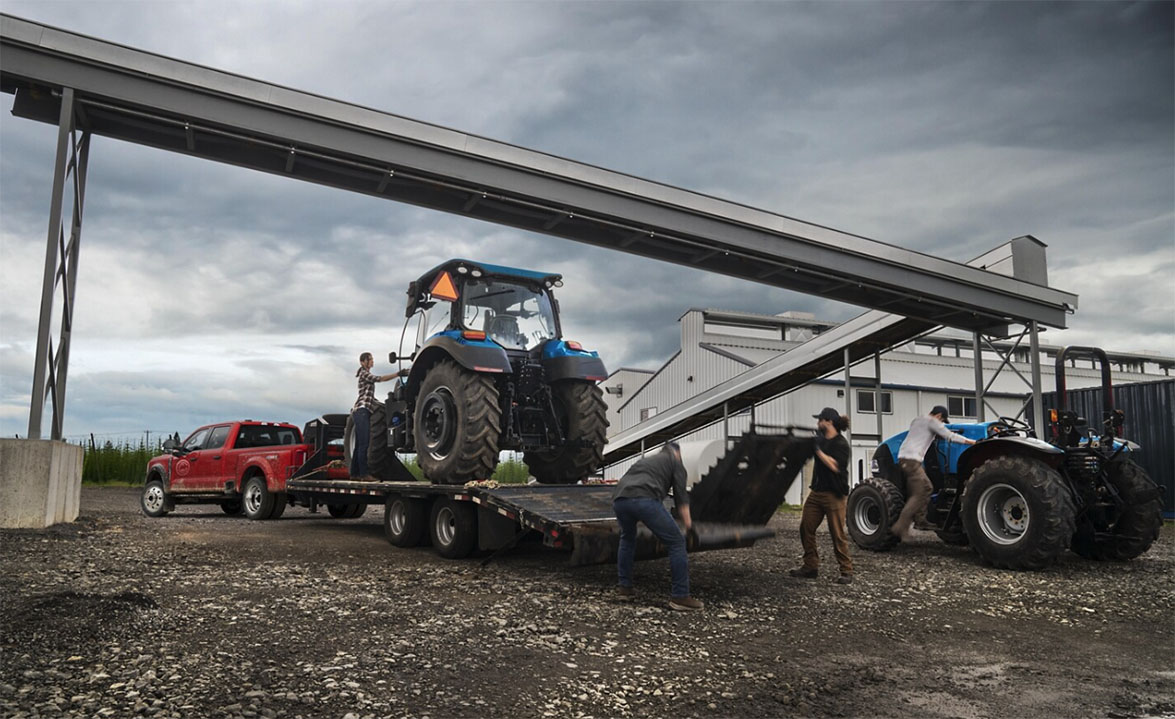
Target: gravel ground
[{"x": 202, "y": 615}]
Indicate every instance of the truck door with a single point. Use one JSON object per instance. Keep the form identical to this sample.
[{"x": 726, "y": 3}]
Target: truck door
[
  {"x": 182, "y": 475},
  {"x": 208, "y": 462}
]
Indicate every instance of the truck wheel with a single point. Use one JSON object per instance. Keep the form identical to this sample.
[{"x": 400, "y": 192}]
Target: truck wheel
[
  {"x": 453, "y": 528},
  {"x": 257, "y": 500},
  {"x": 1018, "y": 513},
  {"x": 231, "y": 507},
  {"x": 458, "y": 422},
  {"x": 154, "y": 500},
  {"x": 873, "y": 506},
  {"x": 405, "y": 521},
  {"x": 583, "y": 417},
  {"x": 346, "y": 511},
  {"x": 1113, "y": 534},
  {"x": 280, "y": 500}
]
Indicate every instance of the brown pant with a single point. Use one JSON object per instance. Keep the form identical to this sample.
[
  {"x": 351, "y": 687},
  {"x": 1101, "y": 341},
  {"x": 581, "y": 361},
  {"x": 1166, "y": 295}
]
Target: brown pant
[
  {"x": 918, "y": 489},
  {"x": 817, "y": 507}
]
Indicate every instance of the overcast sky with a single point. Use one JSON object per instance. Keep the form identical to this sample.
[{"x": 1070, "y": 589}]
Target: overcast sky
[{"x": 207, "y": 292}]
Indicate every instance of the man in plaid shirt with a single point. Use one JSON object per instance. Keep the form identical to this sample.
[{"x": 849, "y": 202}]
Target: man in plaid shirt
[{"x": 361, "y": 415}]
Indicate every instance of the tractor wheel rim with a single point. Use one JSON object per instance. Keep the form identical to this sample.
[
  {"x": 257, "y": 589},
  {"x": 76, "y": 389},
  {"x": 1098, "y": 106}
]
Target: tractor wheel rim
[
  {"x": 153, "y": 498},
  {"x": 1003, "y": 514},
  {"x": 867, "y": 515},
  {"x": 439, "y": 422},
  {"x": 446, "y": 526},
  {"x": 396, "y": 518},
  {"x": 253, "y": 498}
]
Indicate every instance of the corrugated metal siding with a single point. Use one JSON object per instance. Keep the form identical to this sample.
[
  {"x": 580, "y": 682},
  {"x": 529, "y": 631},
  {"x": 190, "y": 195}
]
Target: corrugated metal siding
[{"x": 1150, "y": 421}]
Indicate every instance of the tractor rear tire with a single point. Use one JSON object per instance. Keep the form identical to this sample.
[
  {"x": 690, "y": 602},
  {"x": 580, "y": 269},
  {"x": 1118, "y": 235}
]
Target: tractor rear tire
[
  {"x": 873, "y": 506},
  {"x": 453, "y": 528},
  {"x": 458, "y": 422},
  {"x": 583, "y": 417},
  {"x": 1134, "y": 529},
  {"x": 380, "y": 455},
  {"x": 405, "y": 520},
  {"x": 1018, "y": 513}
]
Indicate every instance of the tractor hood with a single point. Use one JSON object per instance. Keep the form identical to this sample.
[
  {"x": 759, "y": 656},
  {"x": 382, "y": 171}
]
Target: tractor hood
[{"x": 419, "y": 291}]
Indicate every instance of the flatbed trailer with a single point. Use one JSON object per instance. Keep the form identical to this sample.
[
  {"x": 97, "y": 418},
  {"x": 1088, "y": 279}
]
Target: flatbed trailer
[
  {"x": 731, "y": 506},
  {"x": 458, "y": 520}
]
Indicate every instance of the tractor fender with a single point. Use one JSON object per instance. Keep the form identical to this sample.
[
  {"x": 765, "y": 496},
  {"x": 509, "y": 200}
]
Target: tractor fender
[
  {"x": 886, "y": 467},
  {"x": 475, "y": 356},
  {"x": 575, "y": 367},
  {"x": 981, "y": 452}
]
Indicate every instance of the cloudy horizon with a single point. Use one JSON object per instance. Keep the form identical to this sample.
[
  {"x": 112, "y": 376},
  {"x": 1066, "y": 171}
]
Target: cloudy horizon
[{"x": 208, "y": 292}]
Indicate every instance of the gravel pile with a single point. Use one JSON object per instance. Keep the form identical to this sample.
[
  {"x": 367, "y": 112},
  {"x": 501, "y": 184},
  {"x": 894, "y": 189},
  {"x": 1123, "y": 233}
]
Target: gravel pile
[{"x": 202, "y": 615}]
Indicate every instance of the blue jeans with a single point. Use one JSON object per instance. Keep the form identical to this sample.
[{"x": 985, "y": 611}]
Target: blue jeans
[
  {"x": 361, "y": 431},
  {"x": 629, "y": 511}
]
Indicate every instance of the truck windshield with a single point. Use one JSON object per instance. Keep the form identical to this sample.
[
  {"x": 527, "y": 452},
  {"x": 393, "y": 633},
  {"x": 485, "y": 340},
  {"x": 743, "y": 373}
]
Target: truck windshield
[{"x": 514, "y": 316}]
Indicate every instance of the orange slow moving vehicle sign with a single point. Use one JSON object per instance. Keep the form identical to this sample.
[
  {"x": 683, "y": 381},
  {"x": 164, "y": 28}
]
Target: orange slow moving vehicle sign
[{"x": 443, "y": 288}]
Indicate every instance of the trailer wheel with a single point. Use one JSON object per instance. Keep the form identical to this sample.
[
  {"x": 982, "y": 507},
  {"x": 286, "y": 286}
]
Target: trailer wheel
[
  {"x": 257, "y": 500},
  {"x": 1018, "y": 513},
  {"x": 583, "y": 419},
  {"x": 873, "y": 506},
  {"x": 346, "y": 511},
  {"x": 453, "y": 528},
  {"x": 405, "y": 520},
  {"x": 457, "y": 424},
  {"x": 154, "y": 500},
  {"x": 231, "y": 507},
  {"x": 1114, "y": 534}
]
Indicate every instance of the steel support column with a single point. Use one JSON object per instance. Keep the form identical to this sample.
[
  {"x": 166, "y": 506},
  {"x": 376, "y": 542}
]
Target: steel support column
[
  {"x": 1037, "y": 407},
  {"x": 61, "y": 258},
  {"x": 977, "y": 351},
  {"x": 877, "y": 399},
  {"x": 848, "y": 389}
]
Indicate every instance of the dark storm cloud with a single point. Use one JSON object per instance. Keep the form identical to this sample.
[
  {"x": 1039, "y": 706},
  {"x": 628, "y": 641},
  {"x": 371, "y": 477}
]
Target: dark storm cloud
[{"x": 941, "y": 127}]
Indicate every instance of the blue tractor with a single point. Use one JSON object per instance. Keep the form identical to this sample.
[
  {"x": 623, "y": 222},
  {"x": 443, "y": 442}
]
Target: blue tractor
[
  {"x": 1020, "y": 501},
  {"x": 492, "y": 372}
]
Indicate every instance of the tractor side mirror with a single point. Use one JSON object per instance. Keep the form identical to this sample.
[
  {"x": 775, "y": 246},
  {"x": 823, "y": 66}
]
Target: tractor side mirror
[{"x": 393, "y": 357}]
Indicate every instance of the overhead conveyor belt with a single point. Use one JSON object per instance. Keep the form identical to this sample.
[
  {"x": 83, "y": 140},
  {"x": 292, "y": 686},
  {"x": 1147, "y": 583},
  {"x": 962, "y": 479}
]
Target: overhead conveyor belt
[
  {"x": 140, "y": 97},
  {"x": 861, "y": 336}
]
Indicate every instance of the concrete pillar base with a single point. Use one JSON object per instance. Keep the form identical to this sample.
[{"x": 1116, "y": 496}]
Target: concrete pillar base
[{"x": 40, "y": 483}]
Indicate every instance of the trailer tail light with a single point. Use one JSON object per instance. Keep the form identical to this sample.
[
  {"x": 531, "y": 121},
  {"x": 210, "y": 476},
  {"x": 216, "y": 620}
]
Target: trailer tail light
[{"x": 473, "y": 335}]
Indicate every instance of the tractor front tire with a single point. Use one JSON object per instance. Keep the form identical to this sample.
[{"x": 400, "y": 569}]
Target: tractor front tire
[
  {"x": 583, "y": 419},
  {"x": 873, "y": 506},
  {"x": 1018, "y": 513},
  {"x": 1130, "y": 531},
  {"x": 458, "y": 422}
]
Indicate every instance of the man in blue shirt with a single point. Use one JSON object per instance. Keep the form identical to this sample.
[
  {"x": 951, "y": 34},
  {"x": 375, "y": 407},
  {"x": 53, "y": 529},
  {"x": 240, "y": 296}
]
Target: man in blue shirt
[{"x": 640, "y": 497}]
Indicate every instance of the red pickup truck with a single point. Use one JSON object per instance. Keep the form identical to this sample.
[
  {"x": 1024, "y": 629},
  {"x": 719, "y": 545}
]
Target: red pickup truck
[{"x": 242, "y": 466}]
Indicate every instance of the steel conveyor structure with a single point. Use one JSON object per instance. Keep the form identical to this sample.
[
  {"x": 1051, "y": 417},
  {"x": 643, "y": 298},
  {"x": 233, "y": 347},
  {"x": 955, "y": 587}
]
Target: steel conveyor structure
[
  {"x": 856, "y": 339},
  {"x": 129, "y": 94}
]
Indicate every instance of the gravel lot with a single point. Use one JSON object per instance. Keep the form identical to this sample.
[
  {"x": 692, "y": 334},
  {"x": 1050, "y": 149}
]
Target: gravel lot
[{"x": 202, "y": 615}]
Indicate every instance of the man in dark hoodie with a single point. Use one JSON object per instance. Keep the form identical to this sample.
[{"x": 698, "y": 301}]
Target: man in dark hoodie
[{"x": 640, "y": 497}]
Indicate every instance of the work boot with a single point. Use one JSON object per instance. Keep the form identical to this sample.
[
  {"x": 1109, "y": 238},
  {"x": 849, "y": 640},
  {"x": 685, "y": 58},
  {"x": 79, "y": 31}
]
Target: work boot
[
  {"x": 685, "y": 604},
  {"x": 804, "y": 573},
  {"x": 625, "y": 594},
  {"x": 845, "y": 579}
]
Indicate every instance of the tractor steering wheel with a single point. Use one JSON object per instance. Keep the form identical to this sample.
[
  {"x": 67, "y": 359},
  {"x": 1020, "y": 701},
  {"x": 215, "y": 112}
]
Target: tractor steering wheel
[{"x": 1010, "y": 426}]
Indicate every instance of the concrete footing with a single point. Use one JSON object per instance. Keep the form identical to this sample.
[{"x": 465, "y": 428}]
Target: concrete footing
[{"x": 40, "y": 483}]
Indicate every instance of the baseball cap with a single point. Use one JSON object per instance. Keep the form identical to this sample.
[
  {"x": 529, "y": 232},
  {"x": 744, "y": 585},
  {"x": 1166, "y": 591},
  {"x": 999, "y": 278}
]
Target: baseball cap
[
  {"x": 827, "y": 414},
  {"x": 942, "y": 412}
]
